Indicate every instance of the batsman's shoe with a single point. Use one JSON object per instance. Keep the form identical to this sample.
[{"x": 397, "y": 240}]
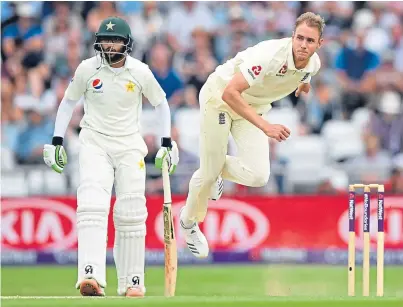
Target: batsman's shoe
[
  {"x": 195, "y": 240},
  {"x": 90, "y": 287},
  {"x": 217, "y": 189},
  {"x": 135, "y": 292}
]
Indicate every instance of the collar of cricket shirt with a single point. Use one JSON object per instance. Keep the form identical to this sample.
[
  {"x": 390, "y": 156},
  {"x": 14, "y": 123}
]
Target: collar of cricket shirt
[
  {"x": 309, "y": 68},
  {"x": 128, "y": 64}
]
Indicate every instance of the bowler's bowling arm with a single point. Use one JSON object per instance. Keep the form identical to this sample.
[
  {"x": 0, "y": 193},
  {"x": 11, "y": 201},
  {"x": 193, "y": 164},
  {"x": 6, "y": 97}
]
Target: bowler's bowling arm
[{"x": 232, "y": 96}]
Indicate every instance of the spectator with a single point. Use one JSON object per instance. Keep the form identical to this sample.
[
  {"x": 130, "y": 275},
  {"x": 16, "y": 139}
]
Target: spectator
[
  {"x": 387, "y": 123},
  {"x": 38, "y": 131},
  {"x": 74, "y": 125},
  {"x": 103, "y": 10},
  {"x": 10, "y": 119},
  {"x": 192, "y": 14},
  {"x": 325, "y": 187},
  {"x": 7, "y": 13},
  {"x": 338, "y": 15},
  {"x": 57, "y": 29},
  {"x": 130, "y": 7},
  {"x": 354, "y": 64},
  {"x": 284, "y": 17},
  {"x": 190, "y": 97},
  {"x": 395, "y": 184},
  {"x": 200, "y": 62},
  {"x": 320, "y": 105},
  {"x": 332, "y": 181},
  {"x": 68, "y": 68},
  {"x": 278, "y": 167},
  {"x": 237, "y": 35},
  {"x": 189, "y": 163},
  {"x": 260, "y": 14},
  {"x": 377, "y": 21},
  {"x": 23, "y": 36},
  {"x": 373, "y": 166},
  {"x": 23, "y": 45},
  {"x": 398, "y": 44},
  {"x": 62, "y": 13},
  {"x": 165, "y": 74},
  {"x": 387, "y": 78},
  {"x": 147, "y": 25}
]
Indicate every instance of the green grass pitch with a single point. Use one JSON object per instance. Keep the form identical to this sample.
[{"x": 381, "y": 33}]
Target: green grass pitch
[{"x": 229, "y": 285}]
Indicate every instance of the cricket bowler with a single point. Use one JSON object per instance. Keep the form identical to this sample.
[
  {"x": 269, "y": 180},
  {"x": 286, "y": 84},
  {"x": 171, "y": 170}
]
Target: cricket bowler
[
  {"x": 233, "y": 100},
  {"x": 112, "y": 152}
]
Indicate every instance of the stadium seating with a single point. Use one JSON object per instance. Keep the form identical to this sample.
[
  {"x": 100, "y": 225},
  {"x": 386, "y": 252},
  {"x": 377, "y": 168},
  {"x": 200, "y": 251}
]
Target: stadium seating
[
  {"x": 149, "y": 122},
  {"x": 7, "y": 159},
  {"x": 285, "y": 116},
  {"x": 360, "y": 117},
  {"x": 343, "y": 140},
  {"x": 188, "y": 123},
  {"x": 14, "y": 184}
]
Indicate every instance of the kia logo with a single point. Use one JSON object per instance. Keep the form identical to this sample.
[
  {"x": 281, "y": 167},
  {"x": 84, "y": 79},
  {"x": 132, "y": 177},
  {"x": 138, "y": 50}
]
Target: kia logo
[
  {"x": 393, "y": 222},
  {"x": 229, "y": 224},
  {"x": 37, "y": 223}
]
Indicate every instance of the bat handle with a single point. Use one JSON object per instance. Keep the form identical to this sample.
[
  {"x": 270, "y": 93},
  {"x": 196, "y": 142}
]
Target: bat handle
[{"x": 166, "y": 183}]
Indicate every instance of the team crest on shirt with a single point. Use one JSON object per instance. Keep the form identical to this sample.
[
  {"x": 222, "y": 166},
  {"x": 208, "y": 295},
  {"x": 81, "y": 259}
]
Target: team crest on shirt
[
  {"x": 97, "y": 86},
  {"x": 255, "y": 71},
  {"x": 130, "y": 86},
  {"x": 141, "y": 164},
  {"x": 282, "y": 71}
]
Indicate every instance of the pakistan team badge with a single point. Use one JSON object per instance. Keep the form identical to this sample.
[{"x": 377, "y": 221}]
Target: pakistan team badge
[
  {"x": 141, "y": 164},
  {"x": 110, "y": 26},
  {"x": 130, "y": 87}
]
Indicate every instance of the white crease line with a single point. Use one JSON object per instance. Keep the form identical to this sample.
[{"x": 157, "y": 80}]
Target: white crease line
[{"x": 57, "y": 297}]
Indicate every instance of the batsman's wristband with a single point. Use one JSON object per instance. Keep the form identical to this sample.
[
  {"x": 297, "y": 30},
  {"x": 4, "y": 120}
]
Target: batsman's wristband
[
  {"x": 166, "y": 142},
  {"x": 57, "y": 140}
]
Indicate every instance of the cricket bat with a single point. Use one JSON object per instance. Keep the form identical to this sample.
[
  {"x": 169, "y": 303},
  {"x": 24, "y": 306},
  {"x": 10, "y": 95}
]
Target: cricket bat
[{"x": 170, "y": 252}]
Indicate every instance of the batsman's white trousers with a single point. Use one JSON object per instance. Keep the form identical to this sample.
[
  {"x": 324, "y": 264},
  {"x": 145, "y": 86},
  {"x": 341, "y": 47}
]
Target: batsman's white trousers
[
  {"x": 106, "y": 161},
  {"x": 251, "y": 166}
]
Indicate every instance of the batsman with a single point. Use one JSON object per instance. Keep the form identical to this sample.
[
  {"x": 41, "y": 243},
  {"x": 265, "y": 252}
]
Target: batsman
[
  {"x": 112, "y": 152},
  {"x": 233, "y": 100}
]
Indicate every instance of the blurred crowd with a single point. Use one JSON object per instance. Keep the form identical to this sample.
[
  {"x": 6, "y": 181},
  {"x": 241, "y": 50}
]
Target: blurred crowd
[{"x": 361, "y": 76}]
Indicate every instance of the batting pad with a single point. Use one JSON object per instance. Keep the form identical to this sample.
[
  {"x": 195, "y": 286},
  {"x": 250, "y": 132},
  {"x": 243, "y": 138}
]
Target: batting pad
[
  {"x": 129, "y": 216},
  {"x": 92, "y": 222}
]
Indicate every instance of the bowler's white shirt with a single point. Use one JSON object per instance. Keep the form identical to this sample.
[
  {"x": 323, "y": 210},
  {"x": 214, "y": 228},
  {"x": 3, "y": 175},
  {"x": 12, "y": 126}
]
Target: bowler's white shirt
[
  {"x": 270, "y": 71},
  {"x": 113, "y": 101}
]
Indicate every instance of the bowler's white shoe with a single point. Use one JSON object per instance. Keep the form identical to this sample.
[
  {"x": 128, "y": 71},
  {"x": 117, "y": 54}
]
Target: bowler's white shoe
[
  {"x": 217, "y": 189},
  {"x": 195, "y": 239}
]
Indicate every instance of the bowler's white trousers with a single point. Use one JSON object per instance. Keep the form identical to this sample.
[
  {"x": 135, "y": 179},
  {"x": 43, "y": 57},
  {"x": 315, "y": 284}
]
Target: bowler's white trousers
[{"x": 251, "y": 166}]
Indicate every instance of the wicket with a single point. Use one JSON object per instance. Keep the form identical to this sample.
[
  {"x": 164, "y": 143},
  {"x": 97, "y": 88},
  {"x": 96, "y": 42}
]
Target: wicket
[{"x": 366, "y": 230}]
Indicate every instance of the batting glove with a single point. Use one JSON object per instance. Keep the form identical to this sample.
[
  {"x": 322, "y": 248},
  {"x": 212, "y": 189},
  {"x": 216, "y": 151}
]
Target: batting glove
[
  {"x": 55, "y": 156},
  {"x": 169, "y": 152}
]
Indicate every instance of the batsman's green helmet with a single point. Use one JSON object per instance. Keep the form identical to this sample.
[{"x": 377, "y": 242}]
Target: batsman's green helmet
[{"x": 114, "y": 27}]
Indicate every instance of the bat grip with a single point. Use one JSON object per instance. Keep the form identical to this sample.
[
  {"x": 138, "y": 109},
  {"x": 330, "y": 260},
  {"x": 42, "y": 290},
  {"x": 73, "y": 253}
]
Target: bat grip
[{"x": 166, "y": 183}]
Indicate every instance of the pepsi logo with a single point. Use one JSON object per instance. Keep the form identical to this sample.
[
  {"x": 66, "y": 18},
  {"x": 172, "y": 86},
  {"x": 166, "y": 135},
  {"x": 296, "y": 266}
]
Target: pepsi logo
[{"x": 97, "y": 84}]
